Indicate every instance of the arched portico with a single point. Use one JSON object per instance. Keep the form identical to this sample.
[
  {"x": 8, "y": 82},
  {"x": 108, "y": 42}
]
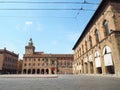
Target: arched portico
[
  {"x": 47, "y": 71},
  {"x": 98, "y": 62},
  {"x": 24, "y": 71},
  {"x": 29, "y": 71},
  {"x": 42, "y": 71},
  {"x": 38, "y": 71},
  {"x": 33, "y": 71},
  {"x": 108, "y": 62}
]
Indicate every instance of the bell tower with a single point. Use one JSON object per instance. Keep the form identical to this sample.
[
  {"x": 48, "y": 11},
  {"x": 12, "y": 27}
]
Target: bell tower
[{"x": 30, "y": 49}]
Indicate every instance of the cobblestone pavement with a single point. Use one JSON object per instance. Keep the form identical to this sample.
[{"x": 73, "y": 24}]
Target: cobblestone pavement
[{"x": 63, "y": 82}]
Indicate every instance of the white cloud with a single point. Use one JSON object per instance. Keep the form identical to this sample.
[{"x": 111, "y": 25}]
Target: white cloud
[
  {"x": 24, "y": 27},
  {"x": 29, "y": 23}
]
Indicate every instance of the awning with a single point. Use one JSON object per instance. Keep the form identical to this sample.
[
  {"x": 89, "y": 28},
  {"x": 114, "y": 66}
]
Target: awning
[
  {"x": 108, "y": 60},
  {"x": 97, "y": 62}
]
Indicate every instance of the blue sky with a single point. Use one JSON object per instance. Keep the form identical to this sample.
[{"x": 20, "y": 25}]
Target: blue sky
[{"x": 51, "y": 31}]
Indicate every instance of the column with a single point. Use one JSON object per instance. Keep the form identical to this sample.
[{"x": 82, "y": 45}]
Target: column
[
  {"x": 94, "y": 67},
  {"x": 102, "y": 64},
  {"x": 49, "y": 70},
  {"x": 89, "y": 68}
]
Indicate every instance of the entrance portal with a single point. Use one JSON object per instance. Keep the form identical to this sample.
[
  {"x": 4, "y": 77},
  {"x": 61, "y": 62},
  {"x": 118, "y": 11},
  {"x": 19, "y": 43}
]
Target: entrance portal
[
  {"x": 53, "y": 70},
  {"x": 47, "y": 71},
  {"x": 29, "y": 71},
  {"x": 38, "y": 71},
  {"x": 33, "y": 71},
  {"x": 42, "y": 71}
]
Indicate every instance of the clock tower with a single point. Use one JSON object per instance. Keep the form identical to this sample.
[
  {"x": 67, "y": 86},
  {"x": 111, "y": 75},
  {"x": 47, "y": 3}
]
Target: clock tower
[{"x": 29, "y": 49}]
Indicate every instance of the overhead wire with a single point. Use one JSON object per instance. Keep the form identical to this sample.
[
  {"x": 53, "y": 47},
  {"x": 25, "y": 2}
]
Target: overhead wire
[
  {"x": 14, "y": 9},
  {"x": 37, "y": 2},
  {"x": 36, "y": 16},
  {"x": 46, "y": 9}
]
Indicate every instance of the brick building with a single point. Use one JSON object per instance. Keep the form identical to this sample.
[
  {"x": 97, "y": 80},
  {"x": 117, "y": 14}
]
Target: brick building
[
  {"x": 97, "y": 50},
  {"x": 19, "y": 66},
  {"x": 41, "y": 63},
  {"x": 8, "y": 62}
]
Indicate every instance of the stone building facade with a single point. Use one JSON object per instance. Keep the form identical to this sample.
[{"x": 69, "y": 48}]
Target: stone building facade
[
  {"x": 8, "y": 62},
  {"x": 19, "y": 66},
  {"x": 41, "y": 63},
  {"x": 97, "y": 50}
]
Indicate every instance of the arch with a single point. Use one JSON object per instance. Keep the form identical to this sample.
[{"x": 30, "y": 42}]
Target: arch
[
  {"x": 96, "y": 36},
  {"x": 86, "y": 65},
  {"x": 98, "y": 62},
  {"x": 38, "y": 71},
  {"x": 42, "y": 71},
  {"x": 29, "y": 71},
  {"x": 82, "y": 49},
  {"x": 107, "y": 53},
  {"x": 106, "y": 28},
  {"x": 24, "y": 71},
  {"x": 53, "y": 70},
  {"x": 90, "y": 41},
  {"x": 106, "y": 50},
  {"x": 47, "y": 71},
  {"x": 97, "y": 54},
  {"x": 86, "y": 45},
  {"x": 33, "y": 71}
]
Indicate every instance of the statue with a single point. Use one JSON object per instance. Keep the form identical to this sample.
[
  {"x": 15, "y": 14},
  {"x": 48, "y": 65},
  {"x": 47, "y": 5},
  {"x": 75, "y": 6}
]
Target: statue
[{"x": 30, "y": 42}]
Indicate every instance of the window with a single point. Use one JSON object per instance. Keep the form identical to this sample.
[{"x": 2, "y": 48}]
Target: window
[
  {"x": 25, "y": 64},
  {"x": 106, "y": 29},
  {"x": 34, "y": 59},
  {"x": 83, "y": 48},
  {"x": 86, "y": 45},
  {"x": 29, "y": 59},
  {"x": 90, "y": 41},
  {"x": 42, "y": 59},
  {"x": 58, "y": 63},
  {"x": 46, "y": 64},
  {"x": 79, "y": 52},
  {"x": 68, "y": 63},
  {"x": 25, "y": 59},
  {"x": 29, "y": 64},
  {"x": 52, "y": 62},
  {"x": 38, "y": 64},
  {"x": 97, "y": 35},
  {"x": 46, "y": 60},
  {"x": 33, "y": 64},
  {"x": 42, "y": 64},
  {"x": 65, "y": 63}
]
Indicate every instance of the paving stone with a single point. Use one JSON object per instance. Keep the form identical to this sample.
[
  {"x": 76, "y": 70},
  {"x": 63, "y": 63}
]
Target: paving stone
[{"x": 63, "y": 82}]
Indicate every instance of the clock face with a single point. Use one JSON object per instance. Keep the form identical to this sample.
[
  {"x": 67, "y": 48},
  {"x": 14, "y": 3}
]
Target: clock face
[{"x": 28, "y": 51}]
